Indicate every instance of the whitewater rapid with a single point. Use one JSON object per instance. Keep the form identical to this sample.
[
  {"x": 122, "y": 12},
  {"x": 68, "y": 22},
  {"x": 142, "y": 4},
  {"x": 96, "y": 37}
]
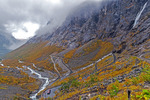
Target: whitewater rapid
[
  {"x": 47, "y": 81},
  {"x": 39, "y": 76},
  {"x": 33, "y": 97},
  {"x": 1, "y": 64}
]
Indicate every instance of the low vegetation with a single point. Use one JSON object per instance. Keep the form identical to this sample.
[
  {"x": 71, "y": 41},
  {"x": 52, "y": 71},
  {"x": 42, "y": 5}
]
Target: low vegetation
[{"x": 110, "y": 81}]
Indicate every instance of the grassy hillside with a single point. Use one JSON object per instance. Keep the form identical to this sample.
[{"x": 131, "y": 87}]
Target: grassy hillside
[{"x": 108, "y": 79}]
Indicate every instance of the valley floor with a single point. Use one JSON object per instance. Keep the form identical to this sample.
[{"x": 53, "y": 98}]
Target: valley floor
[{"x": 93, "y": 75}]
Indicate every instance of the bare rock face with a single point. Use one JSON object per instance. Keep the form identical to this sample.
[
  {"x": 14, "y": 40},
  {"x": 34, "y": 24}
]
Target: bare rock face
[{"x": 113, "y": 19}]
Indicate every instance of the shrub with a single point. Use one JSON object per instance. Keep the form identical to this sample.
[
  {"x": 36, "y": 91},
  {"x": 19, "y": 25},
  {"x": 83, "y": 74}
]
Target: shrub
[
  {"x": 145, "y": 95},
  {"x": 146, "y": 75},
  {"x": 135, "y": 80},
  {"x": 113, "y": 91},
  {"x": 146, "y": 78},
  {"x": 93, "y": 79},
  {"x": 65, "y": 87},
  {"x": 75, "y": 83},
  {"x": 15, "y": 98}
]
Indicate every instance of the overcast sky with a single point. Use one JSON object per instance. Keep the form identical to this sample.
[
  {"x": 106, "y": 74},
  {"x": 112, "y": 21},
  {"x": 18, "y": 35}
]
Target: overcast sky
[{"x": 22, "y": 18}]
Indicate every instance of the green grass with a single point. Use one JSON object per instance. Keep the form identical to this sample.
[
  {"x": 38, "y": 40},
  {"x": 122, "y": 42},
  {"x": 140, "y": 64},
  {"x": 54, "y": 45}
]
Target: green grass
[{"x": 145, "y": 95}]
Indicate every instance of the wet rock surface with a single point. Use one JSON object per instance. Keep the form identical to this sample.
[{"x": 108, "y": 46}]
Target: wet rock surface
[{"x": 114, "y": 19}]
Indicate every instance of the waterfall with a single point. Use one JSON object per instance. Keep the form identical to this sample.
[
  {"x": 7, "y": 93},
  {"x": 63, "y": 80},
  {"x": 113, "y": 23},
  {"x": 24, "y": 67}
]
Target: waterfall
[{"x": 138, "y": 15}]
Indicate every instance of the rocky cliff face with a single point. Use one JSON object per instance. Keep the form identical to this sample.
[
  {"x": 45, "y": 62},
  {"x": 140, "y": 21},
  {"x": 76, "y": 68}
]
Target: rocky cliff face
[
  {"x": 91, "y": 27},
  {"x": 114, "y": 19}
]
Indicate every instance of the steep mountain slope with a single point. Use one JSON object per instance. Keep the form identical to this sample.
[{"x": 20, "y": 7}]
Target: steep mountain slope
[
  {"x": 8, "y": 43},
  {"x": 103, "y": 45},
  {"x": 114, "y": 19},
  {"x": 3, "y": 50}
]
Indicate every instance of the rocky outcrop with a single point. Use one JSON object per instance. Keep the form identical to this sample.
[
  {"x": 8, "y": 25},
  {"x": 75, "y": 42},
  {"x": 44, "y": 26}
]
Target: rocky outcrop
[
  {"x": 114, "y": 19},
  {"x": 121, "y": 78}
]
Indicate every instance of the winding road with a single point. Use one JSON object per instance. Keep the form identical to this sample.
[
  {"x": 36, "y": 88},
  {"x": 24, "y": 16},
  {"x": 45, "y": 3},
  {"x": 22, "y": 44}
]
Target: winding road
[
  {"x": 52, "y": 94},
  {"x": 47, "y": 81},
  {"x": 52, "y": 59},
  {"x": 62, "y": 65},
  {"x": 95, "y": 62}
]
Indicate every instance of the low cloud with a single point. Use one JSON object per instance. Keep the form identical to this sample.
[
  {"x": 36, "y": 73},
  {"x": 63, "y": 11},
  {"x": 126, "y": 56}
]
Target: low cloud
[
  {"x": 14, "y": 44},
  {"x": 14, "y": 13}
]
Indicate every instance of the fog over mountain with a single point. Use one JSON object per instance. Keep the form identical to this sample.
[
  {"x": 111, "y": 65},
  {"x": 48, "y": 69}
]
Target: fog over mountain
[
  {"x": 45, "y": 15},
  {"x": 75, "y": 49}
]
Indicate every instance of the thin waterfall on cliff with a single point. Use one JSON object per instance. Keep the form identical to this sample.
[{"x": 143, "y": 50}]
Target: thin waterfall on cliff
[{"x": 139, "y": 14}]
